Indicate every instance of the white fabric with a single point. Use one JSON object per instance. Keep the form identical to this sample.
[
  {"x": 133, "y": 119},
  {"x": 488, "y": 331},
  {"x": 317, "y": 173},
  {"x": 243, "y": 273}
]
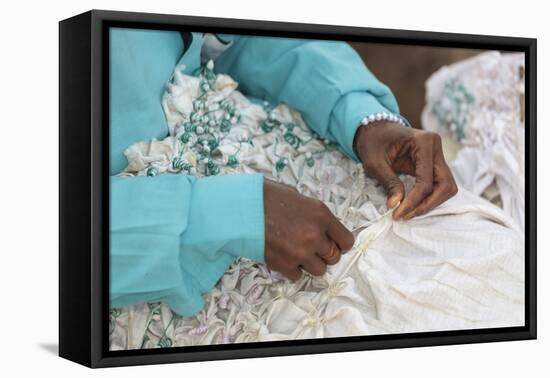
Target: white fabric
[
  {"x": 493, "y": 140},
  {"x": 459, "y": 267}
]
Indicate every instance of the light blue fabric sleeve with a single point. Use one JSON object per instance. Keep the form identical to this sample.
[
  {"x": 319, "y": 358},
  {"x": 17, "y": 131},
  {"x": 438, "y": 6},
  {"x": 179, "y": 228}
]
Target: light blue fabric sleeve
[
  {"x": 226, "y": 220},
  {"x": 326, "y": 81},
  {"x": 141, "y": 62},
  {"x": 173, "y": 236},
  {"x": 147, "y": 217}
]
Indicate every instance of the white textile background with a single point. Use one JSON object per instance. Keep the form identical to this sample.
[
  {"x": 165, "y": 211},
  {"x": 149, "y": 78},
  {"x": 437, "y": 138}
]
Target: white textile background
[{"x": 29, "y": 190}]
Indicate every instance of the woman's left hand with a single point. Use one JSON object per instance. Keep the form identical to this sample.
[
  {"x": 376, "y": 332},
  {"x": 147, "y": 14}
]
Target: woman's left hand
[{"x": 387, "y": 149}]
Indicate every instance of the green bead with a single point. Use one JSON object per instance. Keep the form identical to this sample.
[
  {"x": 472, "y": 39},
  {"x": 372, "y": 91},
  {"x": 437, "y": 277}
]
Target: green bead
[
  {"x": 212, "y": 167},
  {"x": 225, "y": 126},
  {"x": 205, "y": 85},
  {"x": 290, "y": 126},
  {"x": 165, "y": 342},
  {"x": 213, "y": 144},
  {"x": 190, "y": 127},
  {"x": 177, "y": 163},
  {"x": 232, "y": 161},
  {"x": 268, "y": 125},
  {"x": 186, "y": 137},
  {"x": 152, "y": 171},
  {"x": 292, "y": 139},
  {"x": 280, "y": 164},
  {"x": 115, "y": 312},
  {"x": 310, "y": 162},
  {"x": 201, "y": 139},
  {"x": 210, "y": 77},
  {"x": 195, "y": 116}
]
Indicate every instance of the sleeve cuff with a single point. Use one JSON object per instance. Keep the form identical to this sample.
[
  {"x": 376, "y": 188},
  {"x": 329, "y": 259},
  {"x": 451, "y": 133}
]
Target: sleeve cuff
[
  {"x": 346, "y": 118},
  {"x": 226, "y": 220},
  {"x": 145, "y": 227}
]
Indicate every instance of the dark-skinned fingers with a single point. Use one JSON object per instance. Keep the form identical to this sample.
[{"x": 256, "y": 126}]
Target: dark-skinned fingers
[
  {"x": 383, "y": 172},
  {"x": 293, "y": 274},
  {"x": 329, "y": 252},
  {"x": 442, "y": 166},
  {"x": 340, "y": 234},
  {"x": 423, "y": 160},
  {"x": 315, "y": 265},
  {"x": 438, "y": 196},
  {"x": 444, "y": 189}
]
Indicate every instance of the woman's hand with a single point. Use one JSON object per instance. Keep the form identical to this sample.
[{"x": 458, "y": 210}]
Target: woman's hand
[
  {"x": 298, "y": 230},
  {"x": 387, "y": 149}
]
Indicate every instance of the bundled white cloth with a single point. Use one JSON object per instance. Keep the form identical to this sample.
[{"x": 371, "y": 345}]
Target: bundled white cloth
[
  {"x": 480, "y": 103},
  {"x": 461, "y": 266}
]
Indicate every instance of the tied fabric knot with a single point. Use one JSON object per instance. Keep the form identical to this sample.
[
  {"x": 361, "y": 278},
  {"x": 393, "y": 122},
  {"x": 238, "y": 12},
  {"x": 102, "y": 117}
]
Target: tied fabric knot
[
  {"x": 334, "y": 289},
  {"x": 310, "y": 322}
]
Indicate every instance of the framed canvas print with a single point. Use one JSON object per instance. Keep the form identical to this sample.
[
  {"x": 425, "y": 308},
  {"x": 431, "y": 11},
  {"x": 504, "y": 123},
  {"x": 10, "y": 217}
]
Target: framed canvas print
[{"x": 234, "y": 188}]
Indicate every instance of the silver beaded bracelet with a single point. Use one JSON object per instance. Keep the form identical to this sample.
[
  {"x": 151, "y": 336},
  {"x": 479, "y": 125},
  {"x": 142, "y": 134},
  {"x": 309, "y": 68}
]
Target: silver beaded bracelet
[{"x": 382, "y": 116}]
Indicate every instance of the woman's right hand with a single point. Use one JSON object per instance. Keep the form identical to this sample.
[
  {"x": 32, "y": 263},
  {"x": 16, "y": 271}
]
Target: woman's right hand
[{"x": 298, "y": 230}]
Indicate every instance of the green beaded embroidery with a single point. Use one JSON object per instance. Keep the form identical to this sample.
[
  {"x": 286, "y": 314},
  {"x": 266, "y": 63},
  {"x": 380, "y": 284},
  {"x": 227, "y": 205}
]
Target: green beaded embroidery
[
  {"x": 201, "y": 131},
  {"x": 292, "y": 139},
  {"x": 212, "y": 167},
  {"x": 232, "y": 161},
  {"x": 280, "y": 164},
  {"x": 453, "y": 108},
  {"x": 165, "y": 342}
]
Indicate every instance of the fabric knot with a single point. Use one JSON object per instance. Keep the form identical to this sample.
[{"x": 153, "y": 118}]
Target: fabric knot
[{"x": 310, "y": 322}]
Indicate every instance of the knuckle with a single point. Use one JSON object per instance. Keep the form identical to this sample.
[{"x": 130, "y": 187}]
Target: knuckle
[
  {"x": 425, "y": 189},
  {"x": 395, "y": 184},
  {"x": 454, "y": 189},
  {"x": 297, "y": 254},
  {"x": 436, "y": 138},
  {"x": 310, "y": 234},
  {"x": 428, "y": 137},
  {"x": 450, "y": 189},
  {"x": 349, "y": 243},
  {"x": 420, "y": 135}
]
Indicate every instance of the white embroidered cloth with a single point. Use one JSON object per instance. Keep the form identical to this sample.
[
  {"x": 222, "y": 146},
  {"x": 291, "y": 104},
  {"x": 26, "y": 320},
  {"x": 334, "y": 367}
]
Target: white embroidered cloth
[
  {"x": 459, "y": 267},
  {"x": 480, "y": 103}
]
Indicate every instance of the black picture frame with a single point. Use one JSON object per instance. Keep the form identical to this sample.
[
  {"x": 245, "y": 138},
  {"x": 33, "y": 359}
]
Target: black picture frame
[{"x": 84, "y": 193}]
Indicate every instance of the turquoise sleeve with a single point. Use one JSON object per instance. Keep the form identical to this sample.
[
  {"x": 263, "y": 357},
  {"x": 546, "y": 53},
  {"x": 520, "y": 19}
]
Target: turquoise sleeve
[
  {"x": 326, "y": 81},
  {"x": 226, "y": 220},
  {"x": 141, "y": 62},
  {"x": 173, "y": 236}
]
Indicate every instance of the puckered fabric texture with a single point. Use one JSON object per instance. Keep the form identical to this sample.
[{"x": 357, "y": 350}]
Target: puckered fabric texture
[
  {"x": 461, "y": 266},
  {"x": 488, "y": 134},
  {"x": 217, "y": 218}
]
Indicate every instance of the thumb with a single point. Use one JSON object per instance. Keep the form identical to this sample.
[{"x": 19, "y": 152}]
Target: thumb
[{"x": 384, "y": 173}]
